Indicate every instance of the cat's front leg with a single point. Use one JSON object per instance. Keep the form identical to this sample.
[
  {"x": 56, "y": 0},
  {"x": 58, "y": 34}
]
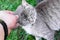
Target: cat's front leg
[{"x": 38, "y": 38}]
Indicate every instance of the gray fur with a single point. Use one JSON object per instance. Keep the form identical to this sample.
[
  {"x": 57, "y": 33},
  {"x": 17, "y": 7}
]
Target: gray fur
[
  {"x": 50, "y": 12},
  {"x": 47, "y": 19}
]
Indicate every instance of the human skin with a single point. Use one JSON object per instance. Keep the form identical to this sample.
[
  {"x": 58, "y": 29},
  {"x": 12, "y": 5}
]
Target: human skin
[{"x": 10, "y": 20}]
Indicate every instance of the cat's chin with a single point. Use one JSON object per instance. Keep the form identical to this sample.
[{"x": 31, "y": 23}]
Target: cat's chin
[{"x": 27, "y": 28}]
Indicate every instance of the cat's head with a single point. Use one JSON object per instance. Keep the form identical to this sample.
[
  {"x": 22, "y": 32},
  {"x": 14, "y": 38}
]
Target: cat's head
[
  {"x": 27, "y": 15},
  {"x": 26, "y": 19}
]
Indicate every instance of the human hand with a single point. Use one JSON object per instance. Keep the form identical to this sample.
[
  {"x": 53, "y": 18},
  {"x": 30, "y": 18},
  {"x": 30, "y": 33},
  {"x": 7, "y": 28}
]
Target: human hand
[{"x": 9, "y": 19}]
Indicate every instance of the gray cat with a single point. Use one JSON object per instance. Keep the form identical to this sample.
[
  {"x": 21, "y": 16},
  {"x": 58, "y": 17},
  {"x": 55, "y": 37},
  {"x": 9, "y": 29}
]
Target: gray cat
[{"x": 42, "y": 20}]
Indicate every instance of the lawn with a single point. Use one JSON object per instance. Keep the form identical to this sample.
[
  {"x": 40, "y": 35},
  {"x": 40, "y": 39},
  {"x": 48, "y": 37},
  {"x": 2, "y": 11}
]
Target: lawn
[{"x": 18, "y": 33}]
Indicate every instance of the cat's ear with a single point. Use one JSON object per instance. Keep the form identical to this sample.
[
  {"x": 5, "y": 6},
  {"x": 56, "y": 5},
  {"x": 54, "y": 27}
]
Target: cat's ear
[
  {"x": 19, "y": 10},
  {"x": 40, "y": 4}
]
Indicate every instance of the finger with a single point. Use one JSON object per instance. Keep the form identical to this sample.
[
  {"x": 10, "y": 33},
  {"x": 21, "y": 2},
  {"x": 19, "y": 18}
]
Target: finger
[
  {"x": 9, "y": 12},
  {"x": 17, "y": 16},
  {"x": 17, "y": 25}
]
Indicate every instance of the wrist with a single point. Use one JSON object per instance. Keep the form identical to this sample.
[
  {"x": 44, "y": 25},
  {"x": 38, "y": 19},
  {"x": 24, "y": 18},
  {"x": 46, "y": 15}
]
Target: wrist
[
  {"x": 5, "y": 28},
  {"x": 1, "y": 32},
  {"x": 9, "y": 30}
]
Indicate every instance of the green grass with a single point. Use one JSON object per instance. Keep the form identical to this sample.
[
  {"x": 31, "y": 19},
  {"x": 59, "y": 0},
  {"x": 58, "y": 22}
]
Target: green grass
[
  {"x": 9, "y": 4},
  {"x": 19, "y": 33}
]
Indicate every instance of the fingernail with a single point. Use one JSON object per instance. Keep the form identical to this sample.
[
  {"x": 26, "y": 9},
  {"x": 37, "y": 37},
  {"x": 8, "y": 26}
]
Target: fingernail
[{"x": 17, "y": 16}]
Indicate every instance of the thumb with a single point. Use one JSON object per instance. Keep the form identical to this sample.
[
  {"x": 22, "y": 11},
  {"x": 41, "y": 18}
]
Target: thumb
[{"x": 17, "y": 16}]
